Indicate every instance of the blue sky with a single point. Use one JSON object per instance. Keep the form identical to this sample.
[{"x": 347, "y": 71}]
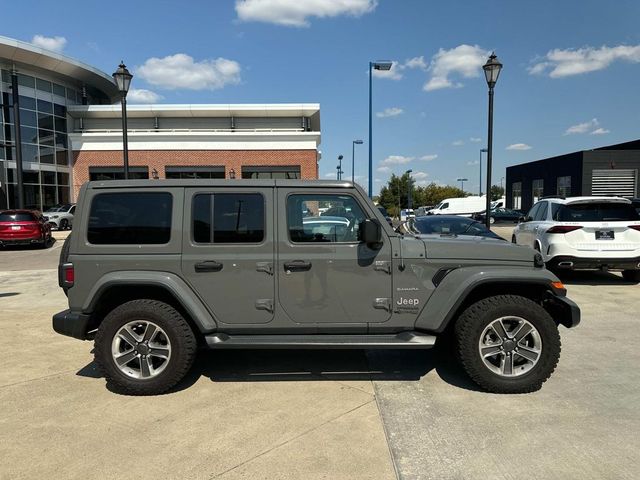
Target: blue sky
[{"x": 570, "y": 79}]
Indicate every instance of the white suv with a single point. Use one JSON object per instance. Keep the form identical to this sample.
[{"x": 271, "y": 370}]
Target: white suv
[{"x": 584, "y": 233}]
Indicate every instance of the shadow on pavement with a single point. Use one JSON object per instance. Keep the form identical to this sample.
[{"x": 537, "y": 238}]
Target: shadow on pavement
[
  {"x": 317, "y": 365},
  {"x": 591, "y": 277},
  {"x": 9, "y": 294}
]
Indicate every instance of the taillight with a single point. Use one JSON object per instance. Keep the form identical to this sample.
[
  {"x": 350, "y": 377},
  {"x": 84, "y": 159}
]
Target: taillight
[
  {"x": 635, "y": 227},
  {"x": 564, "y": 228},
  {"x": 67, "y": 275}
]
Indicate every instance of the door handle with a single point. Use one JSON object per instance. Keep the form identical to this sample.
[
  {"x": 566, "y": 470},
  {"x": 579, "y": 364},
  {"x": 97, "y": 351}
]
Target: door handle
[
  {"x": 208, "y": 266},
  {"x": 297, "y": 266}
]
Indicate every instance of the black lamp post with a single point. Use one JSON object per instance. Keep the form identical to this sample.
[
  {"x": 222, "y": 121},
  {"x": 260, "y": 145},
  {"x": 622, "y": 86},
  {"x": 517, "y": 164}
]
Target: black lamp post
[
  {"x": 123, "y": 81},
  {"x": 339, "y": 167},
  {"x": 491, "y": 72},
  {"x": 409, "y": 199},
  {"x": 462, "y": 180},
  {"x": 353, "y": 159},
  {"x": 384, "y": 65},
  {"x": 482, "y": 150}
]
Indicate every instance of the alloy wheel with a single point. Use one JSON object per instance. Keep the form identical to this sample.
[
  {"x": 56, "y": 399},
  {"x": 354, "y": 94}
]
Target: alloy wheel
[{"x": 141, "y": 349}]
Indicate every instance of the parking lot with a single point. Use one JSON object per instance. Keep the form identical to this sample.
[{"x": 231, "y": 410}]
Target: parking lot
[{"x": 315, "y": 414}]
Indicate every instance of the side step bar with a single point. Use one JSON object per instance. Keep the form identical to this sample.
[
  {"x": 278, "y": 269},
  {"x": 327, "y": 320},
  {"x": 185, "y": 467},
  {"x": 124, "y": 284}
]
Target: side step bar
[{"x": 400, "y": 340}]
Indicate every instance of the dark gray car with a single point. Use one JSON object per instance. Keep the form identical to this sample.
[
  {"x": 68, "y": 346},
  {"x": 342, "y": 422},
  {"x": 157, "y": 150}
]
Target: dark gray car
[{"x": 154, "y": 270}]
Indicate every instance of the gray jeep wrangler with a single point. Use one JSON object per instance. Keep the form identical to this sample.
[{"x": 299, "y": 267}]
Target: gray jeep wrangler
[{"x": 156, "y": 269}]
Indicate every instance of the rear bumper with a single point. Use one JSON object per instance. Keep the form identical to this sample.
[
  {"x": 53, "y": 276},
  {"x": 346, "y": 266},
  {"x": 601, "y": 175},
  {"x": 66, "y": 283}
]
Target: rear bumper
[
  {"x": 71, "y": 324},
  {"x": 20, "y": 241},
  {"x": 569, "y": 262}
]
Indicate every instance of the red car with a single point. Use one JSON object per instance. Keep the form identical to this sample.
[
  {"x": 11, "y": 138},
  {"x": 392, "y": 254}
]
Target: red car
[{"x": 24, "y": 227}]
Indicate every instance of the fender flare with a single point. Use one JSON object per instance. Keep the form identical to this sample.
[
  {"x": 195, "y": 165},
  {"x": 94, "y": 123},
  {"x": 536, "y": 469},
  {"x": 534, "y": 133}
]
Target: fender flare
[
  {"x": 170, "y": 282},
  {"x": 460, "y": 283}
]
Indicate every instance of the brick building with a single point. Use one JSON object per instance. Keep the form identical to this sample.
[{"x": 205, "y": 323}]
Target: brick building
[{"x": 196, "y": 141}]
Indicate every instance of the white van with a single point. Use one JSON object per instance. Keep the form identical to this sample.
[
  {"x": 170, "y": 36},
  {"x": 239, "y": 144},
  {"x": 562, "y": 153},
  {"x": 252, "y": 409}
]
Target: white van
[{"x": 465, "y": 206}]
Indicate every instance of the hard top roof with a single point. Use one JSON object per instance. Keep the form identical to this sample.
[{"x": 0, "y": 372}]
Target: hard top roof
[{"x": 235, "y": 184}]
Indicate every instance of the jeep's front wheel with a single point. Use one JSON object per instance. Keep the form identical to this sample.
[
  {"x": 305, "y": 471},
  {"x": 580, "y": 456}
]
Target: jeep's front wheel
[
  {"x": 144, "y": 347},
  {"x": 507, "y": 344}
]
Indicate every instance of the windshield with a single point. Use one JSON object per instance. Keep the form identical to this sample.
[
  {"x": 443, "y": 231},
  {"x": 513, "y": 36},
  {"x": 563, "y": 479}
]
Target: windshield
[
  {"x": 594, "y": 212},
  {"x": 448, "y": 226}
]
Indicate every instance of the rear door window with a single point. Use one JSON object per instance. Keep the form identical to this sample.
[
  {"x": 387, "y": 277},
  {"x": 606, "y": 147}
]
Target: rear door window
[
  {"x": 541, "y": 214},
  {"x": 228, "y": 218},
  {"x": 140, "y": 218},
  {"x": 533, "y": 212}
]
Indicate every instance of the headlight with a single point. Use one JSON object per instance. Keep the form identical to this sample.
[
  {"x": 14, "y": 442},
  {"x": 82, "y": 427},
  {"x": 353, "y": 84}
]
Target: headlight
[{"x": 54, "y": 216}]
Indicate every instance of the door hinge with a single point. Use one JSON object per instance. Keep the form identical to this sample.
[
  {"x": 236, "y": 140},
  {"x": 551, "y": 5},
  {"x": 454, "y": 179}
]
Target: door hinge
[
  {"x": 382, "y": 266},
  {"x": 265, "y": 304},
  {"x": 382, "y": 304},
  {"x": 266, "y": 267}
]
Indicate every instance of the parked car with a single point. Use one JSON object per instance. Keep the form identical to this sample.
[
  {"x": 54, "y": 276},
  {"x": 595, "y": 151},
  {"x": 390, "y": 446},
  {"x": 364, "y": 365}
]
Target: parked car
[
  {"x": 156, "y": 270},
  {"x": 422, "y": 211},
  {"x": 465, "y": 206},
  {"x": 24, "y": 227},
  {"x": 406, "y": 214},
  {"x": 452, "y": 225},
  {"x": 636, "y": 204},
  {"x": 500, "y": 215},
  {"x": 584, "y": 233},
  {"x": 60, "y": 216}
]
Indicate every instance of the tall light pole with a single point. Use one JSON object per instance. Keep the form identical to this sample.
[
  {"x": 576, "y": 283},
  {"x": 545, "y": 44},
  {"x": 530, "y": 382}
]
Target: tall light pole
[
  {"x": 123, "y": 80},
  {"x": 339, "y": 167},
  {"x": 383, "y": 65},
  {"x": 462, "y": 180},
  {"x": 482, "y": 150},
  {"x": 491, "y": 72},
  {"x": 409, "y": 199},
  {"x": 353, "y": 159}
]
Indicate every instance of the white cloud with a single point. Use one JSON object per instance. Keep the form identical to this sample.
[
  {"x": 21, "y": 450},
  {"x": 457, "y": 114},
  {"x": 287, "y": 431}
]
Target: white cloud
[
  {"x": 464, "y": 60},
  {"x": 563, "y": 63},
  {"x": 396, "y": 160},
  {"x": 582, "y": 127},
  {"x": 419, "y": 175},
  {"x": 519, "y": 146},
  {"x": 181, "y": 71},
  {"x": 384, "y": 169},
  {"x": 140, "y": 95},
  {"x": 55, "y": 44},
  {"x": 457, "y": 143},
  {"x": 390, "y": 112},
  {"x": 330, "y": 175},
  {"x": 473, "y": 162},
  {"x": 296, "y": 13},
  {"x": 377, "y": 180},
  {"x": 415, "y": 62},
  {"x": 600, "y": 131},
  {"x": 428, "y": 158},
  {"x": 475, "y": 139}
]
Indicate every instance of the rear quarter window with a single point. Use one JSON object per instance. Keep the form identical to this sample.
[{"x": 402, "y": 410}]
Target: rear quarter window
[{"x": 140, "y": 218}]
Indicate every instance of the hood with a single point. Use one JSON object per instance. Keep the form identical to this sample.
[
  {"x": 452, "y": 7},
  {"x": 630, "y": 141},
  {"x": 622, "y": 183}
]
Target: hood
[{"x": 475, "y": 249}]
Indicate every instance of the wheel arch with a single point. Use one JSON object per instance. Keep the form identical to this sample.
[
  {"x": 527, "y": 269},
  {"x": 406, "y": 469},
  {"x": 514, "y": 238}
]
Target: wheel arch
[{"x": 114, "y": 290}]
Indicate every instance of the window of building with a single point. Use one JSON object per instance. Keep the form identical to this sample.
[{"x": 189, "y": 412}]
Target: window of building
[
  {"x": 516, "y": 193},
  {"x": 285, "y": 172},
  {"x": 324, "y": 218},
  {"x": 537, "y": 188},
  {"x": 130, "y": 218},
  {"x": 564, "y": 186},
  {"x": 193, "y": 172},
  {"x": 117, "y": 173},
  {"x": 228, "y": 218}
]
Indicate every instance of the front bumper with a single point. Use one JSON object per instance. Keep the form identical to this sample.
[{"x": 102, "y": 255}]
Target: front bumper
[
  {"x": 569, "y": 262},
  {"x": 71, "y": 324},
  {"x": 563, "y": 310}
]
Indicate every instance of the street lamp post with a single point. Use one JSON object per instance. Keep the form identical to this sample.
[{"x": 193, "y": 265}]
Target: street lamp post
[
  {"x": 462, "y": 180},
  {"x": 409, "y": 199},
  {"x": 339, "y": 167},
  {"x": 373, "y": 66},
  {"x": 123, "y": 81},
  {"x": 482, "y": 150},
  {"x": 491, "y": 72},
  {"x": 353, "y": 159}
]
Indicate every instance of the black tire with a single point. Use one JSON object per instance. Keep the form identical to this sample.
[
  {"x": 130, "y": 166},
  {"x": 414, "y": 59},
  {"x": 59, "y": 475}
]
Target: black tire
[
  {"x": 64, "y": 224},
  {"x": 631, "y": 275},
  {"x": 183, "y": 347},
  {"x": 473, "y": 321}
]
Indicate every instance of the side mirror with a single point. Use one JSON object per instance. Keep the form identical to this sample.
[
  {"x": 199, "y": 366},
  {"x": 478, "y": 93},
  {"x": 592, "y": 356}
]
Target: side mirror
[{"x": 370, "y": 232}]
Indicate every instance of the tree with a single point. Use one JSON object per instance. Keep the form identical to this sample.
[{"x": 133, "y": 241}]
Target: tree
[
  {"x": 394, "y": 195},
  {"x": 497, "y": 192}
]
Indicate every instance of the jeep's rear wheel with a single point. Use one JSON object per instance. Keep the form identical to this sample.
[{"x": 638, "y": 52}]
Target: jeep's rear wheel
[
  {"x": 507, "y": 344},
  {"x": 144, "y": 347}
]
